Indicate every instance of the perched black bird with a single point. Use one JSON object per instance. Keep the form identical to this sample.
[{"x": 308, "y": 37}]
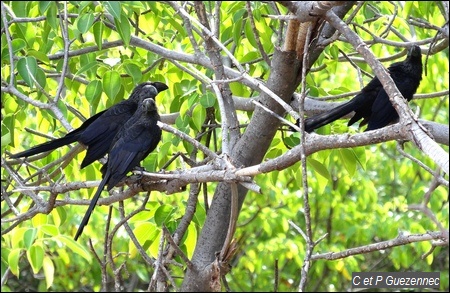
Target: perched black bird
[
  {"x": 97, "y": 132},
  {"x": 139, "y": 136},
  {"x": 373, "y": 104}
]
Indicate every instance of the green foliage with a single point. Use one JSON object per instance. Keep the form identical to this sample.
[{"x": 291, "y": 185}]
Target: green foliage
[{"x": 357, "y": 196}]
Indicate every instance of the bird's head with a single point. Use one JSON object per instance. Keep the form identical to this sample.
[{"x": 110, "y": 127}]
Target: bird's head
[
  {"x": 149, "y": 105},
  {"x": 414, "y": 51},
  {"x": 146, "y": 90},
  {"x": 159, "y": 86}
]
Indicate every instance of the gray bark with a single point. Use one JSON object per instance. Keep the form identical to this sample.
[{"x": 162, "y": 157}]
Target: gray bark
[{"x": 249, "y": 150}]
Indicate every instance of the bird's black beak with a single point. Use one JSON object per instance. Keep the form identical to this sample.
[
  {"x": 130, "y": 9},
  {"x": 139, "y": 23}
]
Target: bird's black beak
[{"x": 160, "y": 86}]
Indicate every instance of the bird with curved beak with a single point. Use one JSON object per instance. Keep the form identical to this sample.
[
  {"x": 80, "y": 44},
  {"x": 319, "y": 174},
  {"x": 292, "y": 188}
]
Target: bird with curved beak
[{"x": 134, "y": 142}]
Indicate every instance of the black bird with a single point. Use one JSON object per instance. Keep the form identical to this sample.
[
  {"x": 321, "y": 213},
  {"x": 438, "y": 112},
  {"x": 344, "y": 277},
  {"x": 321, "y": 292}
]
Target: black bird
[
  {"x": 373, "y": 104},
  {"x": 97, "y": 132},
  {"x": 138, "y": 138}
]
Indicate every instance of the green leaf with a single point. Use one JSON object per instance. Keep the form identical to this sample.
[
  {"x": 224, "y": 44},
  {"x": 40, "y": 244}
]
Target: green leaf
[
  {"x": 114, "y": 8},
  {"x": 334, "y": 51},
  {"x": 198, "y": 117},
  {"x": 226, "y": 34},
  {"x": 145, "y": 233},
  {"x": 407, "y": 9},
  {"x": 52, "y": 13},
  {"x": 76, "y": 248},
  {"x": 208, "y": 100},
  {"x": 239, "y": 14},
  {"x": 13, "y": 261},
  {"x": 29, "y": 236},
  {"x": 17, "y": 45},
  {"x": 151, "y": 162},
  {"x": 41, "y": 78},
  {"x": 111, "y": 84},
  {"x": 348, "y": 159},
  {"x": 35, "y": 256},
  {"x": 154, "y": 246},
  {"x": 17, "y": 237},
  {"x": 124, "y": 29},
  {"x": 178, "y": 27},
  {"x": 87, "y": 67},
  {"x": 292, "y": 140},
  {"x": 237, "y": 31},
  {"x": 134, "y": 71},
  {"x": 20, "y": 8},
  {"x": 39, "y": 55},
  {"x": 85, "y": 22},
  {"x": 250, "y": 35},
  {"x": 39, "y": 220},
  {"x": 27, "y": 68},
  {"x": 146, "y": 215},
  {"x": 93, "y": 94},
  {"x": 163, "y": 214},
  {"x": 6, "y": 139},
  {"x": 250, "y": 56},
  {"x": 43, "y": 6},
  {"x": 49, "y": 271},
  {"x": 98, "y": 34},
  {"x": 82, "y": 6},
  {"x": 50, "y": 230},
  {"x": 319, "y": 168},
  {"x": 59, "y": 216}
]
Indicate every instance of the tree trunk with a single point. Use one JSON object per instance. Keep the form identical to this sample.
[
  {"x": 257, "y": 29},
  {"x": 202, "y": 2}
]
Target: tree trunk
[{"x": 250, "y": 150}]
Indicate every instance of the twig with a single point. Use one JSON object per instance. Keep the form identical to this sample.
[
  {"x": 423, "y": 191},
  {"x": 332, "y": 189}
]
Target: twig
[
  {"x": 176, "y": 247},
  {"x": 307, "y": 210},
  {"x": 187, "y": 138},
  {"x": 9, "y": 43},
  {"x": 255, "y": 32},
  {"x": 234, "y": 213},
  {"x": 400, "y": 240}
]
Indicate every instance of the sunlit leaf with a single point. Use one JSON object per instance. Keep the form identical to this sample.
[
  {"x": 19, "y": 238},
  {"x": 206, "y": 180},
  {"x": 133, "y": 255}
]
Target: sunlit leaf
[
  {"x": 98, "y": 34},
  {"x": 114, "y": 8},
  {"x": 49, "y": 271},
  {"x": 93, "y": 93},
  {"x": 134, "y": 71},
  {"x": 35, "y": 256},
  {"x": 319, "y": 168},
  {"x": 49, "y": 230},
  {"x": 75, "y": 247},
  {"x": 124, "y": 29},
  {"x": 13, "y": 261},
  {"x": 27, "y": 68},
  {"x": 85, "y": 22},
  {"x": 145, "y": 234},
  {"x": 111, "y": 84},
  {"x": 162, "y": 214}
]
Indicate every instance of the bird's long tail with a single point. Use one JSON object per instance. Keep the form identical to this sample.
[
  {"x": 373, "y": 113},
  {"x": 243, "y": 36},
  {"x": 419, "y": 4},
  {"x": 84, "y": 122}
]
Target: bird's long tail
[
  {"x": 69, "y": 138},
  {"x": 94, "y": 200},
  {"x": 47, "y": 146},
  {"x": 320, "y": 120}
]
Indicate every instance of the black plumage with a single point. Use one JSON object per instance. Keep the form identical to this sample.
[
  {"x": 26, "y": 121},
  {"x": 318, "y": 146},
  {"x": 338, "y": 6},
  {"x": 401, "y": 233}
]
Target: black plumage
[
  {"x": 97, "y": 132},
  {"x": 139, "y": 136},
  {"x": 373, "y": 104}
]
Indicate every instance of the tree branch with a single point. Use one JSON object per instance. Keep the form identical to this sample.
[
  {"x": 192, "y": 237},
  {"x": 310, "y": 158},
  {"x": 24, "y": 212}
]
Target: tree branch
[{"x": 400, "y": 240}]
